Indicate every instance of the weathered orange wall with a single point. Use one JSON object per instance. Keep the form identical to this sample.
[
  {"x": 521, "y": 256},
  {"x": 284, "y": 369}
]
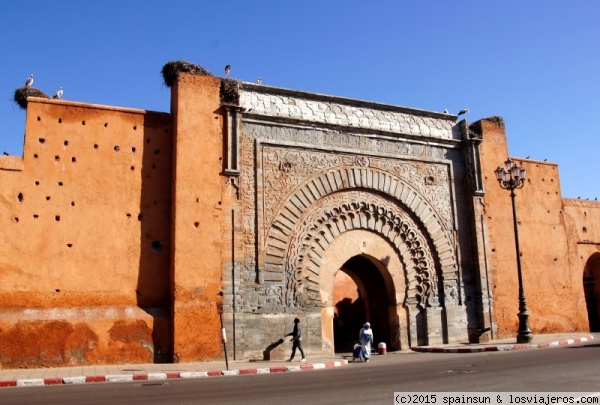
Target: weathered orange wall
[
  {"x": 582, "y": 218},
  {"x": 85, "y": 237},
  {"x": 552, "y": 275},
  {"x": 199, "y": 213}
]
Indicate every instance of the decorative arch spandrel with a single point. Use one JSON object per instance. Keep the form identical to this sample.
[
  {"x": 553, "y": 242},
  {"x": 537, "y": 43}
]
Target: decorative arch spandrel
[{"x": 357, "y": 210}]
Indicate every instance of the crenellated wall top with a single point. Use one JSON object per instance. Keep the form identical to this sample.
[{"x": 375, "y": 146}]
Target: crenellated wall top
[{"x": 316, "y": 108}]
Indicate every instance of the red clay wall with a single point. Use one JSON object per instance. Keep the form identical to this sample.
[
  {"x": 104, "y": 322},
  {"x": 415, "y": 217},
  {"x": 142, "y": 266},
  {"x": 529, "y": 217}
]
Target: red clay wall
[
  {"x": 199, "y": 212},
  {"x": 85, "y": 237},
  {"x": 552, "y": 275},
  {"x": 582, "y": 218}
]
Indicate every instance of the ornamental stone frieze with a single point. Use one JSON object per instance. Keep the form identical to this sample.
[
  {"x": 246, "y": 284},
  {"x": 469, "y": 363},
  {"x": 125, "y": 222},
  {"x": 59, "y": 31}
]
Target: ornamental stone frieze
[{"x": 326, "y": 110}]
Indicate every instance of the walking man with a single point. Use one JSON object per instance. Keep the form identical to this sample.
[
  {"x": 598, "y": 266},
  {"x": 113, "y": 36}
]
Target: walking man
[{"x": 296, "y": 335}]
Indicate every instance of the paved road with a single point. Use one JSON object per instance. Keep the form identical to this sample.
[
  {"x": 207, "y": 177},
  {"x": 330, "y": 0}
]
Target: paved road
[{"x": 563, "y": 369}]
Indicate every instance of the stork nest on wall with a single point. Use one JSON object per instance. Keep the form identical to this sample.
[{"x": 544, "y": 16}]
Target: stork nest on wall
[
  {"x": 22, "y": 93},
  {"x": 496, "y": 120},
  {"x": 230, "y": 91},
  {"x": 171, "y": 70}
]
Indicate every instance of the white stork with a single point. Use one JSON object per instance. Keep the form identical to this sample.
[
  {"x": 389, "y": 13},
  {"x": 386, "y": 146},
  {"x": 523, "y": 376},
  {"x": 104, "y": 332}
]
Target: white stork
[
  {"x": 463, "y": 111},
  {"x": 227, "y": 69},
  {"x": 29, "y": 81},
  {"x": 58, "y": 94}
]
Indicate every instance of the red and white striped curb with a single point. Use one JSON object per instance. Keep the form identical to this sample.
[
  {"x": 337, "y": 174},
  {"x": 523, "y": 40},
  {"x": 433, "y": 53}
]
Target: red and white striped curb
[
  {"x": 30, "y": 382},
  {"x": 503, "y": 347}
]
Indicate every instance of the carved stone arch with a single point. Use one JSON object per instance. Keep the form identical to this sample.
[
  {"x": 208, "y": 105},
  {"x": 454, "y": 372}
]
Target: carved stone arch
[
  {"x": 330, "y": 217},
  {"x": 285, "y": 242}
]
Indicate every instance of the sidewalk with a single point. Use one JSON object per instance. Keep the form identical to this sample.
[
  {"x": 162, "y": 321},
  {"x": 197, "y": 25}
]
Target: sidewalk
[
  {"x": 500, "y": 345},
  {"x": 150, "y": 371}
]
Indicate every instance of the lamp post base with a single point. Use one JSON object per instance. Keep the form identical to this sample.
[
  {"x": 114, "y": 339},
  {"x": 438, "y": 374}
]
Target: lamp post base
[
  {"x": 524, "y": 335},
  {"x": 526, "y": 338}
]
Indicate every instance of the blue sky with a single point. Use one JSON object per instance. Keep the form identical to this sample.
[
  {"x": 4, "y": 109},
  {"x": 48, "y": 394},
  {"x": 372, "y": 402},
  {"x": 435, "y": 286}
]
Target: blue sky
[{"x": 535, "y": 63}]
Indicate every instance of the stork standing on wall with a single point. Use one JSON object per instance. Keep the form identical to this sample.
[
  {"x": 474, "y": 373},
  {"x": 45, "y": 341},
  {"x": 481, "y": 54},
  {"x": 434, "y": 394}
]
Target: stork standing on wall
[
  {"x": 29, "y": 81},
  {"x": 463, "y": 111},
  {"x": 58, "y": 94},
  {"x": 227, "y": 69}
]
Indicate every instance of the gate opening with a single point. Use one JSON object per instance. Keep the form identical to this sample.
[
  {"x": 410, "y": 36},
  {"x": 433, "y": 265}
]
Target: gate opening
[
  {"x": 359, "y": 295},
  {"x": 591, "y": 288}
]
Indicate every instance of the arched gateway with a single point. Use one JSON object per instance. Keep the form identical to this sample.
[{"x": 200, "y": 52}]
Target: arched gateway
[
  {"x": 368, "y": 213},
  {"x": 327, "y": 186}
]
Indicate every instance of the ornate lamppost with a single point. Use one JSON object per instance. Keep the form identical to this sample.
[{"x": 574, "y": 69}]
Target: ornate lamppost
[{"x": 511, "y": 179}]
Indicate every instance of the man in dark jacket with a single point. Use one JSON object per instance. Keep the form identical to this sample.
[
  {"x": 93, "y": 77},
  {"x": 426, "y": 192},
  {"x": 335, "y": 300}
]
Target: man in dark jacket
[{"x": 296, "y": 335}]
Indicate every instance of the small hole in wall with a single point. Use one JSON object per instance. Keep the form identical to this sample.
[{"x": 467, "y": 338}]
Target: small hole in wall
[
  {"x": 20, "y": 197},
  {"x": 135, "y": 127},
  {"x": 65, "y": 143},
  {"x": 35, "y": 155},
  {"x": 39, "y": 118},
  {"x": 156, "y": 246},
  {"x": 116, "y": 148},
  {"x": 128, "y": 215},
  {"x": 196, "y": 224},
  {"x": 72, "y": 203},
  {"x": 60, "y": 121},
  {"x": 16, "y": 219},
  {"x": 60, "y": 183},
  {"x": 41, "y": 140},
  {"x": 132, "y": 168},
  {"x": 48, "y": 198},
  {"x": 57, "y": 290},
  {"x": 57, "y": 218},
  {"x": 56, "y": 158},
  {"x": 82, "y": 122},
  {"x": 140, "y": 217},
  {"x": 105, "y": 124},
  {"x": 584, "y": 229},
  {"x": 69, "y": 245},
  {"x": 37, "y": 183},
  {"x": 95, "y": 146},
  {"x": 133, "y": 149},
  {"x": 36, "y": 216},
  {"x": 73, "y": 159}
]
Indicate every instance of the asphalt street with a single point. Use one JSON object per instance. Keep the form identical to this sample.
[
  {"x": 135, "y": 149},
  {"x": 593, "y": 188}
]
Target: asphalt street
[{"x": 560, "y": 369}]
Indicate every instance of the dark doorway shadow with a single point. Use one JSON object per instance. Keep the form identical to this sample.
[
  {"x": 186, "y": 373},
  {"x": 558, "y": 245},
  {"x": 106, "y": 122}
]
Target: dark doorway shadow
[
  {"x": 372, "y": 305},
  {"x": 347, "y": 323}
]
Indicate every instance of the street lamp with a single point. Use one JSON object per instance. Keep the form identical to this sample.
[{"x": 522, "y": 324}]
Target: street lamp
[{"x": 512, "y": 179}]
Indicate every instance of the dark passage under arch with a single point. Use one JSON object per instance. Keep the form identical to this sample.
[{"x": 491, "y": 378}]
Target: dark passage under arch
[{"x": 359, "y": 296}]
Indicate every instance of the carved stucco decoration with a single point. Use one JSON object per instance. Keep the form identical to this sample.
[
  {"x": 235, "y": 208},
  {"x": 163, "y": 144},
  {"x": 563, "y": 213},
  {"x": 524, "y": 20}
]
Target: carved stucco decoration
[
  {"x": 293, "y": 244},
  {"x": 346, "y": 211},
  {"x": 285, "y": 168}
]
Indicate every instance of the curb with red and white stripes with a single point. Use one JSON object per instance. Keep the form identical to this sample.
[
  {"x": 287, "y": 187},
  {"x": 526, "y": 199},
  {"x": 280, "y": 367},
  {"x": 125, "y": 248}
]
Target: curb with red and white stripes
[
  {"x": 502, "y": 348},
  {"x": 30, "y": 382}
]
